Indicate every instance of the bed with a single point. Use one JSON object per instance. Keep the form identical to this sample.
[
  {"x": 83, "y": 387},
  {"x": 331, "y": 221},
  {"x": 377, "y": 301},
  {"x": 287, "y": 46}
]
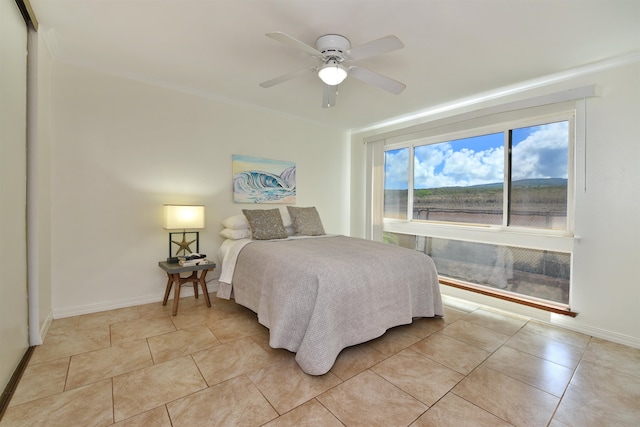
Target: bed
[{"x": 318, "y": 294}]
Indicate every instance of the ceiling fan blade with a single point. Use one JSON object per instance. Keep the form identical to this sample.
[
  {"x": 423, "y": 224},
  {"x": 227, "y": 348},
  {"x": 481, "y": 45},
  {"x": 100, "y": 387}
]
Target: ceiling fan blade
[
  {"x": 286, "y": 77},
  {"x": 329, "y": 97},
  {"x": 287, "y": 39},
  {"x": 375, "y": 47},
  {"x": 376, "y": 79}
]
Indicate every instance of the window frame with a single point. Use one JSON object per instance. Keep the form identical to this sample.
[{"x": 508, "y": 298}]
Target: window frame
[
  {"x": 536, "y": 238},
  {"x": 475, "y": 114}
]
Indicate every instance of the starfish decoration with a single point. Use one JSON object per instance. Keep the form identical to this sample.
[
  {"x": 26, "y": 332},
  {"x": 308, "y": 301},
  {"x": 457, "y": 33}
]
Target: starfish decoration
[{"x": 183, "y": 246}]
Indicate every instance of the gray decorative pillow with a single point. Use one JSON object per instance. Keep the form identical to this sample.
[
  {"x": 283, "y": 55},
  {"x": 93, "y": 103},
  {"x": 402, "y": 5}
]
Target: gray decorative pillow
[
  {"x": 265, "y": 224},
  {"x": 306, "y": 221}
]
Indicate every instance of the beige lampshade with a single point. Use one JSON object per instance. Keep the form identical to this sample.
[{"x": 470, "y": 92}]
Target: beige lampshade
[{"x": 181, "y": 217}]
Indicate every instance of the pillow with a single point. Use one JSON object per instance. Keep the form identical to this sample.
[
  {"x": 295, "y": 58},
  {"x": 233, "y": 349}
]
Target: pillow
[
  {"x": 306, "y": 221},
  {"x": 229, "y": 233},
  {"x": 265, "y": 224},
  {"x": 236, "y": 222}
]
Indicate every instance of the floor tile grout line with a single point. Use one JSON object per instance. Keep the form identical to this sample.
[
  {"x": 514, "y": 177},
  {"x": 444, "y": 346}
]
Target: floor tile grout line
[
  {"x": 328, "y": 409},
  {"x": 113, "y": 402},
  {"x": 153, "y": 359},
  {"x": 474, "y": 404},
  {"x": 409, "y": 394},
  {"x": 555, "y": 411},
  {"x": 466, "y": 342},
  {"x": 522, "y": 382},
  {"x": 483, "y": 363},
  {"x": 199, "y": 371},
  {"x": 556, "y": 340},
  {"x": 265, "y": 397},
  {"x": 66, "y": 377}
]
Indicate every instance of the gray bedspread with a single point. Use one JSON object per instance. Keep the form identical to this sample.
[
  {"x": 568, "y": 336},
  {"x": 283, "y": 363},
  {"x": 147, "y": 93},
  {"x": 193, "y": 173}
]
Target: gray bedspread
[{"x": 318, "y": 296}]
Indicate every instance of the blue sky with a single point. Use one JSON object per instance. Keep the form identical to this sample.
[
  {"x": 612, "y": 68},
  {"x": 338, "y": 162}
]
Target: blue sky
[{"x": 538, "y": 152}]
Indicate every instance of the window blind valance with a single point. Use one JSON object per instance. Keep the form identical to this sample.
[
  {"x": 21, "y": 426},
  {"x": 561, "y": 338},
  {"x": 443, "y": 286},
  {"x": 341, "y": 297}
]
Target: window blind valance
[{"x": 439, "y": 125}]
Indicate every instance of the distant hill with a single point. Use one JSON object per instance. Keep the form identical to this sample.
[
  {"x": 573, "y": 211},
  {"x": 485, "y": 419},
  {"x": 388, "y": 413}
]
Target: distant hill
[
  {"x": 540, "y": 182},
  {"x": 522, "y": 183}
]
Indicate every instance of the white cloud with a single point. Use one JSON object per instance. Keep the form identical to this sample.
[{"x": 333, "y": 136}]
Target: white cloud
[
  {"x": 471, "y": 167},
  {"x": 440, "y": 166},
  {"x": 542, "y": 154},
  {"x": 396, "y": 174},
  {"x": 428, "y": 159}
]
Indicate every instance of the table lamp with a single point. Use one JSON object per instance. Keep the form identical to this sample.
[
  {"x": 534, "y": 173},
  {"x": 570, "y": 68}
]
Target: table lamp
[{"x": 183, "y": 217}]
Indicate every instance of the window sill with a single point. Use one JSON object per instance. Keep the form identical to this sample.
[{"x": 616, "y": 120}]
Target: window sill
[
  {"x": 538, "y": 304},
  {"x": 553, "y": 240}
]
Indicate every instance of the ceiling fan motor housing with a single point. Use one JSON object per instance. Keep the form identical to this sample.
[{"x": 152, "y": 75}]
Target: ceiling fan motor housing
[{"x": 333, "y": 45}]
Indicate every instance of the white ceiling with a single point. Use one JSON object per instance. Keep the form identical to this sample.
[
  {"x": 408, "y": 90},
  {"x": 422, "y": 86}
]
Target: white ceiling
[{"x": 453, "y": 48}]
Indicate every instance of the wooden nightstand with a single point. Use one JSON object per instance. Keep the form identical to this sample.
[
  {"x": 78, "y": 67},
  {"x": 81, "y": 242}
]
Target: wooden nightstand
[{"x": 173, "y": 275}]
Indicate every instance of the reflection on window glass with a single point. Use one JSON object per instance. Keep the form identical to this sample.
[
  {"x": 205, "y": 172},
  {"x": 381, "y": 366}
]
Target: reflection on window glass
[
  {"x": 460, "y": 180},
  {"x": 529, "y": 272},
  {"x": 404, "y": 240},
  {"x": 396, "y": 183},
  {"x": 539, "y": 174}
]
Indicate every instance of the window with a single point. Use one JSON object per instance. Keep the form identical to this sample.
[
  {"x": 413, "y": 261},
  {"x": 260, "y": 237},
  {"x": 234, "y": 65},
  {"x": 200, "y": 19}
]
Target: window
[
  {"x": 464, "y": 180},
  {"x": 460, "y": 180},
  {"x": 531, "y": 273},
  {"x": 396, "y": 184},
  {"x": 539, "y": 171},
  {"x": 489, "y": 204}
]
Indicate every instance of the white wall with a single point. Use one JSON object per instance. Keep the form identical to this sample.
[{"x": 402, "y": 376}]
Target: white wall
[
  {"x": 122, "y": 148},
  {"x": 606, "y": 288},
  {"x": 13, "y": 250}
]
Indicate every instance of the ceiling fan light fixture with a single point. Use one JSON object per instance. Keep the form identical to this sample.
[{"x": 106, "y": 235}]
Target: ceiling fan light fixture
[{"x": 332, "y": 73}]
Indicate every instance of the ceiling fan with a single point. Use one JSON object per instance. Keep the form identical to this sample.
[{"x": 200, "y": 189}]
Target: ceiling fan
[{"x": 334, "y": 51}]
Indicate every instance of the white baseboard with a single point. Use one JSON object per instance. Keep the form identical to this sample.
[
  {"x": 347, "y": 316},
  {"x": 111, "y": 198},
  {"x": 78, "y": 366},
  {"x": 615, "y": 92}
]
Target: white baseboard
[
  {"x": 46, "y": 325},
  {"x": 571, "y": 324},
  {"x": 455, "y": 296},
  {"x": 122, "y": 303}
]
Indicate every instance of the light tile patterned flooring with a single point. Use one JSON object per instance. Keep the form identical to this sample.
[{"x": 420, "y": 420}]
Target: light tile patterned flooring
[{"x": 140, "y": 366}]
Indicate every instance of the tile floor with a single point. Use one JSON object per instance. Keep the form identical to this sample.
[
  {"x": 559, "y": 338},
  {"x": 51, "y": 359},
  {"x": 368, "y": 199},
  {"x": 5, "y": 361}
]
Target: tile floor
[{"x": 140, "y": 366}]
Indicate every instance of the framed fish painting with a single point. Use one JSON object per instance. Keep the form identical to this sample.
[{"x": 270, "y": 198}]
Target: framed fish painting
[{"x": 258, "y": 180}]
